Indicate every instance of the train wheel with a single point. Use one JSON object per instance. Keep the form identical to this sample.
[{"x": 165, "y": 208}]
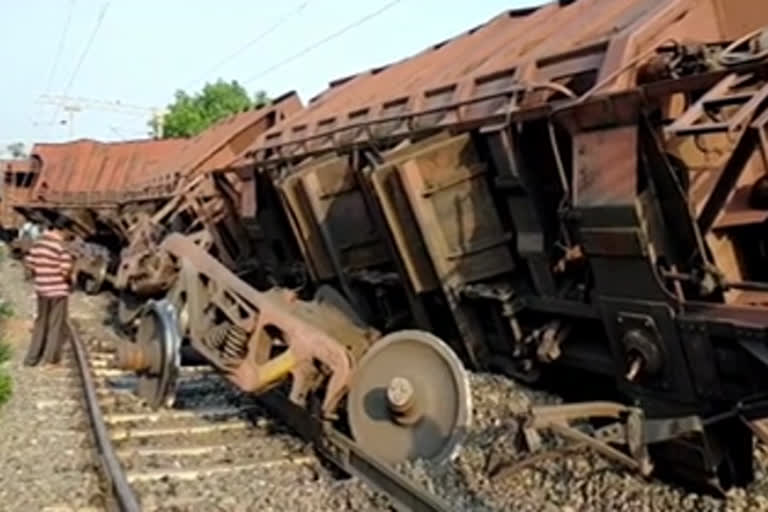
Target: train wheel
[
  {"x": 128, "y": 308},
  {"x": 409, "y": 398},
  {"x": 93, "y": 277},
  {"x": 155, "y": 355}
]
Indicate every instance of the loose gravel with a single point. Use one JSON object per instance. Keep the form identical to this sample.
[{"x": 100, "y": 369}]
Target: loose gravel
[
  {"x": 577, "y": 481},
  {"x": 47, "y": 463}
]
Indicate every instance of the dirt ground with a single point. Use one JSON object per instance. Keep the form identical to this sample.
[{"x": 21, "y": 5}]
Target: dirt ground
[{"x": 47, "y": 462}]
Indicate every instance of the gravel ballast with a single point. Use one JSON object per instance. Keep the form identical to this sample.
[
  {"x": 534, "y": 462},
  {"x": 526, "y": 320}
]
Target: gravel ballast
[
  {"x": 572, "y": 481},
  {"x": 47, "y": 461}
]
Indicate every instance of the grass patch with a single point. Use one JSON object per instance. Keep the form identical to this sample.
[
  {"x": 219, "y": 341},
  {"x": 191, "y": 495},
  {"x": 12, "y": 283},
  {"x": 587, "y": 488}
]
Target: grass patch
[
  {"x": 6, "y": 310},
  {"x": 6, "y": 385}
]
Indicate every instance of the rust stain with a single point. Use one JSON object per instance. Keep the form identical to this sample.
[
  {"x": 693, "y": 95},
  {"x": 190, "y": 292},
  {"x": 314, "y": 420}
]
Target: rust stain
[
  {"x": 15, "y": 187},
  {"x": 572, "y": 45},
  {"x": 88, "y": 171},
  {"x": 217, "y": 147},
  {"x": 466, "y": 78}
]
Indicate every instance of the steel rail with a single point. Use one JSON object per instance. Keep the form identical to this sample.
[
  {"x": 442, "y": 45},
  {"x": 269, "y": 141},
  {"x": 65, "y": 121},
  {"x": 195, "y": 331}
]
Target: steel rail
[
  {"x": 122, "y": 492},
  {"x": 344, "y": 453},
  {"x": 331, "y": 444}
]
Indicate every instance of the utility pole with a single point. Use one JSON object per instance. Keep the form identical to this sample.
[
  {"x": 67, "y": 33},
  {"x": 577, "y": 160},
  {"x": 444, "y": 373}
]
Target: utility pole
[
  {"x": 73, "y": 105},
  {"x": 71, "y": 109},
  {"x": 158, "y": 122}
]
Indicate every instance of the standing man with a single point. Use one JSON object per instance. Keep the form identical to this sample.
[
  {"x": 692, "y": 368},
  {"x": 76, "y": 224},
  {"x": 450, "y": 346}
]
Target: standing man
[{"x": 51, "y": 266}]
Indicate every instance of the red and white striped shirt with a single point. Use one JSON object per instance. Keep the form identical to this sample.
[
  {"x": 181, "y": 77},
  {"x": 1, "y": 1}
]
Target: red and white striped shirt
[{"x": 50, "y": 264}]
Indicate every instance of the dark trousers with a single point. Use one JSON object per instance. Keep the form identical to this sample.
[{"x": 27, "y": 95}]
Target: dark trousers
[{"x": 50, "y": 331}]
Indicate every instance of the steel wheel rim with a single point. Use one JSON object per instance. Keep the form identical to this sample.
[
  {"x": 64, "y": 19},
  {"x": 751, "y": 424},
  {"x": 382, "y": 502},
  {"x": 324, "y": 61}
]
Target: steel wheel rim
[{"x": 440, "y": 425}]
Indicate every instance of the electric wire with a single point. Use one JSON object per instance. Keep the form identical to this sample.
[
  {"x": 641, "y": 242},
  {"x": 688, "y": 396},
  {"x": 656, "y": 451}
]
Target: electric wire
[
  {"x": 60, "y": 48},
  {"x": 83, "y": 55},
  {"x": 280, "y": 22},
  {"x": 56, "y": 58},
  {"x": 322, "y": 41}
]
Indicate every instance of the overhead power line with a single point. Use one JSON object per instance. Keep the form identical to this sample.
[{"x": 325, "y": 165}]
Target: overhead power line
[
  {"x": 60, "y": 48},
  {"x": 87, "y": 47},
  {"x": 75, "y": 105},
  {"x": 113, "y": 106},
  {"x": 322, "y": 41},
  {"x": 83, "y": 55},
  {"x": 249, "y": 44},
  {"x": 57, "y": 55}
]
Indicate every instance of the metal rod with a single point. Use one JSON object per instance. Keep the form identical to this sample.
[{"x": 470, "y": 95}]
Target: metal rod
[
  {"x": 623, "y": 69},
  {"x": 126, "y": 498},
  {"x": 736, "y": 285},
  {"x": 407, "y": 495},
  {"x": 508, "y": 91}
]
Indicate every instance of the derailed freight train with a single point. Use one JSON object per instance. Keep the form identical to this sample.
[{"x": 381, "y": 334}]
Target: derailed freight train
[
  {"x": 590, "y": 198},
  {"x": 574, "y": 190}
]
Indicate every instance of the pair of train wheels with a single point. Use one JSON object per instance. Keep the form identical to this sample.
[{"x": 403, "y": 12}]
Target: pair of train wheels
[{"x": 409, "y": 397}]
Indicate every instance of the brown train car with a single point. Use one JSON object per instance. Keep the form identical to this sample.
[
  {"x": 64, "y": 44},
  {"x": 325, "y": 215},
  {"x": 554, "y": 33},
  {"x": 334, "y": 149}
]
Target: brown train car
[
  {"x": 573, "y": 193},
  {"x": 99, "y": 183},
  {"x": 213, "y": 149},
  {"x": 18, "y": 177},
  {"x": 84, "y": 179},
  {"x": 115, "y": 192},
  {"x": 564, "y": 193}
]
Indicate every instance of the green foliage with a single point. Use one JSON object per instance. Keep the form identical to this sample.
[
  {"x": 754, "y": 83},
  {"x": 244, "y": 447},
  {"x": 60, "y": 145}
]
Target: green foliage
[
  {"x": 6, "y": 386},
  {"x": 189, "y": 114},
  {"x": 16, "y": 150},
  {"x": 6, "y": 310}
]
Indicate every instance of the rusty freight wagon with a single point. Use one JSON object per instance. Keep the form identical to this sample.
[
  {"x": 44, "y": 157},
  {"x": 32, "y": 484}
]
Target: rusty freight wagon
[
  {"x": 117, "y": 194},
  {"x": 185, "y": 197},
  {"x": 573, "y": 193},
  {"x": 566, "y": 191},
  {"x": 18, "y": 177}
]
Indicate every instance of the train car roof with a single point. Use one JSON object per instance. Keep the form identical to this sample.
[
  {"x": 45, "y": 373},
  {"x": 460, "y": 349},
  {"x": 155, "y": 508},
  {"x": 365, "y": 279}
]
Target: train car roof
[
  {"x": 88, "y": 171},
  {"x": 562, "y": 46}
]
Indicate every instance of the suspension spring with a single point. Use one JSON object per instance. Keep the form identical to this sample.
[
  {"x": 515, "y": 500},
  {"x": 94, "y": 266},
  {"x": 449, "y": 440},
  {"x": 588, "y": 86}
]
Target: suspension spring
[
  {"x": 235, "y": 343},
  {"x": 216, "y": 336},
  {"x": 227, "y": 339}
]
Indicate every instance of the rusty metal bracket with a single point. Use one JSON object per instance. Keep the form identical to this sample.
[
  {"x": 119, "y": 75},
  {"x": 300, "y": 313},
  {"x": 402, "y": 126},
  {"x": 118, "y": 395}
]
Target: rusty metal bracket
[
  {"x": 632, "y": 430},
  {"x": 311, "y": 333},
  {"x": 627, "y": 431}
]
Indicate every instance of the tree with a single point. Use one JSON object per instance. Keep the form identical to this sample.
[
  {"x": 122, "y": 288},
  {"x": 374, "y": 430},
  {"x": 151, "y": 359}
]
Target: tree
[
  {"x": 189, "y": 114},
  {"x": 16, "y": 150}
]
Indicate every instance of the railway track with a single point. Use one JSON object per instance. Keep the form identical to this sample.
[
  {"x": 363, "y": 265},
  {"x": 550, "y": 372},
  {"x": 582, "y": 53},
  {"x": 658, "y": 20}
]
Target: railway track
[{"x": 220, "y": 449}]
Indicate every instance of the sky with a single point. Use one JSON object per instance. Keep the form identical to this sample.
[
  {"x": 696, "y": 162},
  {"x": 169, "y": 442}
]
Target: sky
[{"x": 139, "y": 52}]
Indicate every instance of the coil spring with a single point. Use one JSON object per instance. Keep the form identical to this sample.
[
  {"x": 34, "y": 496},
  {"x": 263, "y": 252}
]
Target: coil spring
[
  {"x": 229, "y": 339},
  {"x": 235, "y": 345}
]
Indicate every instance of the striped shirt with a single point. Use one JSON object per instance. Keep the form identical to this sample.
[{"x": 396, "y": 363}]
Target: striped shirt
[{"x": 50, "y": 264}]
